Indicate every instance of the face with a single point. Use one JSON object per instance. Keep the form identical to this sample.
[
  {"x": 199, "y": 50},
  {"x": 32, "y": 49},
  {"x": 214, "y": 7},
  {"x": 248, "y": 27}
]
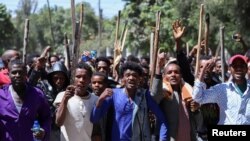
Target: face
[
  {"x": 82, "y": 79},
  {"x": 238, "y": 69},
  {"x": 98, "y": 84},
  {"x": 131, "y": 79},
  {"x": 145, "y": 77},
  {"x": 53, "y": 60},
  {"x": 218, "y": 67},
  {"x": 207, "y": 72},
  {"x": 172, "y": 74},
  {"x": 17, "y": 75},
  {"x": 58, "y": 80},
  {"x": 103, "y": 67}
]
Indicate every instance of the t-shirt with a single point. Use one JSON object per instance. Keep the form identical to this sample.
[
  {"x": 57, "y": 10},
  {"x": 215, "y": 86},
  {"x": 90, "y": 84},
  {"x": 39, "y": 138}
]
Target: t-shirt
[{"x": 77, "y": 125}]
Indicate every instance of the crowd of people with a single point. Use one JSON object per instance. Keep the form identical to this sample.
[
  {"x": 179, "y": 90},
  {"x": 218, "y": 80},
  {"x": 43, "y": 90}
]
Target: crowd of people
[{"x": 98, "y": 106}]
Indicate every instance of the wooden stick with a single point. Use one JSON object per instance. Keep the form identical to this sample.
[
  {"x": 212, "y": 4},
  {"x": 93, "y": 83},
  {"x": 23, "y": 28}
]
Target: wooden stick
[
  {"x": 79, "y": 41},
  {"x": 66, "y": 52},
  {"x": 187, "y": 49},
  {"x": 207, "y": 23},
  {"x": 199, "y": 42},
  {"x": 75, "y": 51},
  {"x": 116, "y": 44},
  {"x": 156, "y": 45},
  {"x": 25, "y": 40},
  {"x": 73, "y": 18},
  {"x": 151, "y": 50},
  {"x": 222, "y": 53}
]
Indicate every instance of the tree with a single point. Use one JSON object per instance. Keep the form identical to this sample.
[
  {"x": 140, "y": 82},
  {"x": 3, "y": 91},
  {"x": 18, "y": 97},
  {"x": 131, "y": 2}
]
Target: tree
[{"x": 7, "y": 29}]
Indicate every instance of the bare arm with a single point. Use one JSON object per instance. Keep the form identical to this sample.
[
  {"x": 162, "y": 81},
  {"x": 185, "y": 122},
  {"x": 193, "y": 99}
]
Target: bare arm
[{"x": 62, "y": 107}]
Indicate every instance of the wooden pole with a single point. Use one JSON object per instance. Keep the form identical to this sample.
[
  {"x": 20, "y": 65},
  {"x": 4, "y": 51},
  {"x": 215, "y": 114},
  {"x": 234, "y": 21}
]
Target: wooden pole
[
  {"x": 151, "y": 50},
  {"x": 207, "y": 23},
  {"x": 156, "y": 45},
  {"x": 116, "y": 44},
  {"x": 187, "y": 49},
  {"x": 25, "y": 40},
  {"x": 50, "y": 22},
  {"x": 222, "y": 53},
  {"x": 66, "y": 52},
  {"x": 73, "y": 18},
  {"x": 79, "y": 41},
  {"x": 100, "y": 24},
  {"x": 199, "y": 42},
  {"x": 75, "y": 51}
]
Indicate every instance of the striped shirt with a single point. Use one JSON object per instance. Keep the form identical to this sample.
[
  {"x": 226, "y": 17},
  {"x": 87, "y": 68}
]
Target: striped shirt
[{"x": 234, "y": 107}]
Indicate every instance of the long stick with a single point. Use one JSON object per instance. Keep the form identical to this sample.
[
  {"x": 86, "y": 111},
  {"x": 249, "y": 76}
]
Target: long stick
[
  {"x": 207, "y": 23},
  {"x": 151, "y": 50},
  {"x": 187, "y": 49},
  {"x": 156, "y": 45},
  {"x": 50, "y": 22},
  {"x": 66, "y": 52},
  {"x": 25, "y": 40},
  {"x": 222, "y": 53},
  {"x": 116, "y": 44},
  {"x": 79, "y": 41},
  {"x": 199, "y": 42},
  {"x": 75, "y": 51},
  {"x": 73, "y": 18}
]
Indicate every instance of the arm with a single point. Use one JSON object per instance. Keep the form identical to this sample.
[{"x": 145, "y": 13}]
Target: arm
[
  {"x": 44, "y": 119},
  {"x": 156, "y": 91},
  {"x": 102, "y": 105},
  {"x": 62, "y": 106},
  {"x": 152, "y": 105},
  {"x": 178, "y": 31}
]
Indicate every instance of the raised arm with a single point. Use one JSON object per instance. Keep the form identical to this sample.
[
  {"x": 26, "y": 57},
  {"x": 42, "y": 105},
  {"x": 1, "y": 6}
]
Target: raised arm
[
  {"x": 156, "y": 91},
  {"x": 62, "y": 105}
]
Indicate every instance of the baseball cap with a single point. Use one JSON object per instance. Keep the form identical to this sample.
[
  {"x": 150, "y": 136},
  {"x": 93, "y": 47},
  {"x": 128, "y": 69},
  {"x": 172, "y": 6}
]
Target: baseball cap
[{"x": 237, "y": 56}]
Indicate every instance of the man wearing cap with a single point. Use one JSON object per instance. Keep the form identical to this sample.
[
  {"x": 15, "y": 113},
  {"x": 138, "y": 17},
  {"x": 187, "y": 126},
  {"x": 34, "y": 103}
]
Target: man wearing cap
[{"x": 232, "y": 96}]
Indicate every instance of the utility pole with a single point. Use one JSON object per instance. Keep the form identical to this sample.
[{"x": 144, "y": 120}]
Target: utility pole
[{"x": 100, "y": 24}]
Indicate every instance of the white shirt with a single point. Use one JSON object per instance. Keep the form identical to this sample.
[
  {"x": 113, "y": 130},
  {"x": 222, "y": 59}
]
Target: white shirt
[
  {"x": 17, "y": 100},
  {"x": 77, "y": 125},
  {"x": 234, "y": 108}
]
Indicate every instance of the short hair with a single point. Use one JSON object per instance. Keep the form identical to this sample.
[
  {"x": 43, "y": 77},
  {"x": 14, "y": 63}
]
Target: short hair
[
  {"x": 132, "y": 66},
  {"x": 16, "y": 62},
  {"x": 104, "y": 59},
  {"x": 132, "y": 58},
  {"x": 146, "y": 58},
  {"x": 205, "y": 57},
  {"x": 83, "y": 65},
  {"x": 101, "y": 74},
  {"x": 171, "y": 63}
]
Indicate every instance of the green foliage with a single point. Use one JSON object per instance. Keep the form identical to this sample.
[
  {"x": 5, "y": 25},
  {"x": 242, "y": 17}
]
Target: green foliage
[
  {"x": 7, "y": 29},
  {"x": 234, "y": 15}
]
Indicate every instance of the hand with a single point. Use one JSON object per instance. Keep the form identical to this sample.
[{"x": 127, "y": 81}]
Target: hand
[
  {"x": 40, "y": 134},
  {"x": 161, "y": 59},
  {"x": 69, "y": 92},
  {"x": 178, "y": 29},
  {"x": 106, "y": 93},
  {"x": 40, "y": 63},
  {"x": 191, "y": 104}
]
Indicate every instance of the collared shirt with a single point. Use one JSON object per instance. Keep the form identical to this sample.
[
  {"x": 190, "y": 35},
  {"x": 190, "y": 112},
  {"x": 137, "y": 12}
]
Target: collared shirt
[
  {"x": 123, "y": 114},
  {"x": 15, "y": 126},
  {"x": 234, "y": 108}
]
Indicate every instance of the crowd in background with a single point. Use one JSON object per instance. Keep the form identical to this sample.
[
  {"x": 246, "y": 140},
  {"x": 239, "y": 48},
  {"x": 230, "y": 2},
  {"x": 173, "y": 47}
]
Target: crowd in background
[{"x": 99, "y": 105}]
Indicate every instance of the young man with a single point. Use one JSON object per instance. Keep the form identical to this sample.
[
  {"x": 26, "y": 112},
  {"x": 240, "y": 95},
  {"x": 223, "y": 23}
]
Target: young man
[
  {"x": 131, "y": 105},
  {"x": 74, "y": 107},
  {"x": 232, "y": 96},
  {"x": 22, "y": 104}
]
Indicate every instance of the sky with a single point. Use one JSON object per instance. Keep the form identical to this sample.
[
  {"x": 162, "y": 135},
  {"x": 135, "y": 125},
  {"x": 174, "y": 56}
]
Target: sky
[{"x": 110, "y": 7}]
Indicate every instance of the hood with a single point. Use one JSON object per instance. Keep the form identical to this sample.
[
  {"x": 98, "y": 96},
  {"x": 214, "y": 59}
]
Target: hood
[{"x": 58, "y": 67}]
